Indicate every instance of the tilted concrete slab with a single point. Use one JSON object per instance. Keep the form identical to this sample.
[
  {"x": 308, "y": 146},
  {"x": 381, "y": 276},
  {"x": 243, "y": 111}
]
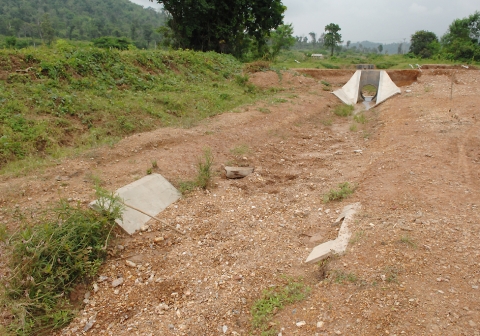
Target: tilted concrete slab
[
  {"x": 386, "y": 88},
  {"x": 339, "y": 245},
  {"x": 350, "y": 93},
  {"x": 150, "y": 194}
]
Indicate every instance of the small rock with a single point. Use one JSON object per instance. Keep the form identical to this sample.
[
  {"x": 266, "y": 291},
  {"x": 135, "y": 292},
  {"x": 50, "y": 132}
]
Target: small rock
[
  {"x": 301, "y": 323},
  {"x": 238, "y": 172},
  {"x": 144, "y": 228},
  {"x": 95, "y": 288},
  {"x": 130, "y": 263},
  {"x": 358, "y": 151},
  {"x": 338, "y": 332},
  {"x": 117, "y": 282},
  {"x": 159, "y": 239},
  {"x": 320, "y": 324},
  {"x": 472, "y": 324},
  {"x": 102, "y": 278},
  {"x": 224, "y": 329},
  {"x": 90, "y": 323}
]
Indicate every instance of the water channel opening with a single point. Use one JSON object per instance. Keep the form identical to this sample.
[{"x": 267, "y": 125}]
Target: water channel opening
[{"x": 368, "y": 92}]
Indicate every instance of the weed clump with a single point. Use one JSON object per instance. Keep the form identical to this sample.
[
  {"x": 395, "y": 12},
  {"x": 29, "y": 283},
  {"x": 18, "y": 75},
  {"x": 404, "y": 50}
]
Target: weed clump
[
  {"x": 48, "y": 260},
  {"x": 274, "y": 299},
  {"x": 343, "y": 110},
  {"x": 344, "y": 189},
  {"x": 204, "y": 174},
  {"x": 360, "y": 118}
]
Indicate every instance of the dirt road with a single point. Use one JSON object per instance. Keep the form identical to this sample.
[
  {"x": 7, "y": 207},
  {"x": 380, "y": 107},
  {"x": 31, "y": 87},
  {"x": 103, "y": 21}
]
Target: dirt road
[{"x": 413, "y": 263}]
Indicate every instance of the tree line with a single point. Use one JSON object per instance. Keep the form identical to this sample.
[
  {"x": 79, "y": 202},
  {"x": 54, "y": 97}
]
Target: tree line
[
  {"x": 460, "y": 42},
  {"x": 24, "y": 20}
]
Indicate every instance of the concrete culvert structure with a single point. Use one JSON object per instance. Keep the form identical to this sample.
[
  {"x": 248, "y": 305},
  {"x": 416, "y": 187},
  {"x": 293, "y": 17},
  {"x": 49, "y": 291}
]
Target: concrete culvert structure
[{"x": 351, "y": 92}]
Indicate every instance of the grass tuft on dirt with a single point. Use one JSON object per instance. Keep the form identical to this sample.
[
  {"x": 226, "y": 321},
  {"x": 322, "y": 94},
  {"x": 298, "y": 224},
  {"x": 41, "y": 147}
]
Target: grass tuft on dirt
[
  {"x": 344, "y": 190},
  {"x": 48, "y": 260},
  {"x": 204, "y": 174},
  {"x": 274, "y": 299},
  {"x": 343, "y": 110}
]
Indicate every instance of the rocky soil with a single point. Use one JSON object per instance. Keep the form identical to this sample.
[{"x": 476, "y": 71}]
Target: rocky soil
[{"x": 413, "y": 263}]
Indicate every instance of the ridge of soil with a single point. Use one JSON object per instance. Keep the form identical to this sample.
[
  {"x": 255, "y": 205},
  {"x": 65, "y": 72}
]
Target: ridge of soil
[{"x": 413, "y": 263}]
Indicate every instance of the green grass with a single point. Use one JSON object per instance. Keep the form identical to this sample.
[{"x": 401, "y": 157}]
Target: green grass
[
  {"x": 360, "y": 118},
  {"x": 343, "y": 110},
  {"x": 408, "y": 241},
  {"x": 49, "y": 259},
  {"x": 274, "y": 299},
  {"x": 204, "y": 174},
  {"x": 353, "y": 127},
  {"x": 349, "y": 60},
  {"x": 340, "y": 277},
  {"x": 80, "y": 98},
  {"x": 240, "y": 150},
  {"x": 344, "y": 190}
]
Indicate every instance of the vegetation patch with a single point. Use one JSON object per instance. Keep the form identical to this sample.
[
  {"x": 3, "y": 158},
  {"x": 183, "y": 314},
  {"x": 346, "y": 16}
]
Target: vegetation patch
[
  {"x": 204, "y": 174},
  {"x": 343, "y": 110},
  {"x": 49, "y": 259},
  {"x": 274, "y": 299},
  {"x": 344, "y": 189},
  {"x": 360, "y": 118},
  {"x": 73, "y": 97}
]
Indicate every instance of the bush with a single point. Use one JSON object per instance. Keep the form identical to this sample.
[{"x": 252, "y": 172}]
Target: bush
[{"x": 120, "y": 43}]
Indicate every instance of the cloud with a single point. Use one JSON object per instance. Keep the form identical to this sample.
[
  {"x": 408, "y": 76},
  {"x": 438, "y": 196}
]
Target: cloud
[{"x": 417, "y": 9}]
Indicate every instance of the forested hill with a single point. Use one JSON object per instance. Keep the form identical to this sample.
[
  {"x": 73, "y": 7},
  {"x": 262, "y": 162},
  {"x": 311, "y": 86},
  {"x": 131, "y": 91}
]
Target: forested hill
[{"x": 78, "y": 19}]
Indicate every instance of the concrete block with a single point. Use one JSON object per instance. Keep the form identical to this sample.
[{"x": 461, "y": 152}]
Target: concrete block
[{"x": 150, "y": 194}]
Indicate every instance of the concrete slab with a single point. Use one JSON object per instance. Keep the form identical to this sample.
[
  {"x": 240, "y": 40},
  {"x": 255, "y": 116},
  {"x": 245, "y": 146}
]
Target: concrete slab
[
  {"x": 339, "y": 245},
  {"x": 349, "y": 92},
  {"x": 386, "y": 88},
  {"x": 150, "y": 194}
]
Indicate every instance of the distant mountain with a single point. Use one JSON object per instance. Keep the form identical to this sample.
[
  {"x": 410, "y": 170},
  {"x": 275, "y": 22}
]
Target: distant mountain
[
  {"x": 78, "y": 19},
  {"x": 391, "y": 48}
]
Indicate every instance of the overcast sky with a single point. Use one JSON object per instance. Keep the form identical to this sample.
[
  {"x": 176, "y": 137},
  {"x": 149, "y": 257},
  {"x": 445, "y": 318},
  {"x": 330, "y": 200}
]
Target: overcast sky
[{"x": 383, "y": 21}]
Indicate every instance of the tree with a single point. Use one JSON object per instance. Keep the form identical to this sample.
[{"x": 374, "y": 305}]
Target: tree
[
  {"x": 380, "y": 48},
  {"x": 281, "y": 38},
  {"x": 47, "y": 31},
  {"x": 313, "y": 36},
  {"x": 462, "y": 40},
  {"x": 11, "y": 42},
  {"x": 147, "y": 33},
  {"x": 348, "y": 44},
  {"x": 400, "y": 48},
  {"x": 332, "y": 36},
  {"x": 217, "y": 24},
  {"x": 424, "y": 43}
]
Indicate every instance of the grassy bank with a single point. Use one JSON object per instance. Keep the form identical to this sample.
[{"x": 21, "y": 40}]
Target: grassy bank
[{"x": 70, "y": 97}]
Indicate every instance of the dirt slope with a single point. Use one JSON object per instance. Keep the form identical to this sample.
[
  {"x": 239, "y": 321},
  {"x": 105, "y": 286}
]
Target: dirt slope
[{"x": 412, "y": 267}]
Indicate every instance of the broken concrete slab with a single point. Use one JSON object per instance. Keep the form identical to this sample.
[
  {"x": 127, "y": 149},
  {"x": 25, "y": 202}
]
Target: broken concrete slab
[
  {"x": 150, "y": 195},
  {"x": 238, "y": 172},
  {"x": 339, "y": 245}
]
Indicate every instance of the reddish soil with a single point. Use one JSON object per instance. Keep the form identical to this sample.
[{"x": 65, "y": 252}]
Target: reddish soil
[{"x": 413, "y": 263}]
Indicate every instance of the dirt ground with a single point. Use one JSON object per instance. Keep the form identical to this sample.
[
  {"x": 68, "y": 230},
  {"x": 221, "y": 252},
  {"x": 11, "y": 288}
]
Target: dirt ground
[{"x": 413, "y": 263}]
